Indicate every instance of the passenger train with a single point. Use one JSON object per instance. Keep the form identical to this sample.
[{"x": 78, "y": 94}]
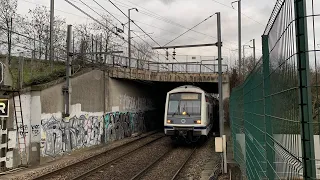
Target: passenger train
[{"x": 190, "y": 114}]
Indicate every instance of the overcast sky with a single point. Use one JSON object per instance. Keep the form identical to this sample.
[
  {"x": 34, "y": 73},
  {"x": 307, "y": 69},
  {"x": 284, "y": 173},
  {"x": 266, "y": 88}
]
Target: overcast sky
[{"x": 173, "y": 17}]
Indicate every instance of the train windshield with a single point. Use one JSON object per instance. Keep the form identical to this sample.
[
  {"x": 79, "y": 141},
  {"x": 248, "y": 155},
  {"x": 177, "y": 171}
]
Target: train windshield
[{"x": 188, "y": 103}]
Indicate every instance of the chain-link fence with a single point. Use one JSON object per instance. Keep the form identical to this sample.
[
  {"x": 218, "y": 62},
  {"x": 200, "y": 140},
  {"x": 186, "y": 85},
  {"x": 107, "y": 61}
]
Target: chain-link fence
[{"x": 274, "y": 113}]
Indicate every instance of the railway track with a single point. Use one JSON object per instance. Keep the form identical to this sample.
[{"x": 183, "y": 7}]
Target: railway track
[
  {"x": 184, "y": 163},
  {"x": 89, "y": 172},
  {"x": 52, "y": 174},
  {"x": 151, "y": 165}
]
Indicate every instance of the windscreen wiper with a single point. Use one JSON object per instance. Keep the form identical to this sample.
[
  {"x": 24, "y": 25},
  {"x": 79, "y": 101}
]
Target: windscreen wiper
[{"x": 177, "y": 109}]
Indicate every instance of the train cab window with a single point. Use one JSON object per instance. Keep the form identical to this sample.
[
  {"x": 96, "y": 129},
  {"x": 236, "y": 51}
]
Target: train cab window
[{"x": 184, "y": 102}]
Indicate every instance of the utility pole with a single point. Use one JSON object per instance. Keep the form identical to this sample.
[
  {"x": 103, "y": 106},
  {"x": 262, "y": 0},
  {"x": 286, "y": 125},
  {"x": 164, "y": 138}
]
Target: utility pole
[
  {"x": 92, "y": 55},
  {"x": 51, "y": 32},
  {"x": 100, "y": 56},
  {"x": 239, "y": 31},
  {"x": 243, "y": 57},
  {"x": 219, "y": 45},
  {"x": 9, "y": 41},
  {"x": 68, "y": 72},
  {"x": 254, "y": 50},
  {"x": 129, "y": 41},
  {"x": 129, "y": 37},
  {"x": 220, "y": 74},
  {"x": 96, "y": 60},
  {"x": 21, "y": 63}
]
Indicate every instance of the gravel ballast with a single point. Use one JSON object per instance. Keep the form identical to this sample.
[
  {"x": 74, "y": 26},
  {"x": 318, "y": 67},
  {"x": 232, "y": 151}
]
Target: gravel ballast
[
  {"x": 168, "y": 166},
  {"x": 74, "y": 158},
  {"x": 132, "y": 164},
  {"x": 195, "y": 165},
  {"x": 77, "y": 169},
  {"x": 127, "y": 167}
]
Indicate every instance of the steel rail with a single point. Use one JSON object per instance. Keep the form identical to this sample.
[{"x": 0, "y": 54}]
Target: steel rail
[
  {"x": 89, "y": 172},
  {"x": 44, "y": 176},
  {"x": 138, "y": 175},
  {"x": 185, "y": 162}
]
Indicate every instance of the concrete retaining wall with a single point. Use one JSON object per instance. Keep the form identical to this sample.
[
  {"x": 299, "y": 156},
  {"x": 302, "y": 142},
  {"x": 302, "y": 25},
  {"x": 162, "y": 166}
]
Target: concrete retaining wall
[{"x": 97, "y": 115}]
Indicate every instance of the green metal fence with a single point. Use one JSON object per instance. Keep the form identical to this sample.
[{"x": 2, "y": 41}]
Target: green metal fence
[{"x": 274, "y": 113}]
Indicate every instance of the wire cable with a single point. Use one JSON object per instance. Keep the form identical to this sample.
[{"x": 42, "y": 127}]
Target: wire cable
[
  {"x": 103, "y": 25},
  {"x": 157, "y": 16},
  {"x": 241, "y": 12},
  {"x": 190, "y": 29},
  {"x": 145, "y": 32}
]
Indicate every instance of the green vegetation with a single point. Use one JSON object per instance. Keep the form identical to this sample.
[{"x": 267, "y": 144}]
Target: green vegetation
[{"x": 36, "y": 72}]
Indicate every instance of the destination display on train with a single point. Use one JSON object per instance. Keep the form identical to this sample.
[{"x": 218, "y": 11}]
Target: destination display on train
[{"x": 189, "y": 96}]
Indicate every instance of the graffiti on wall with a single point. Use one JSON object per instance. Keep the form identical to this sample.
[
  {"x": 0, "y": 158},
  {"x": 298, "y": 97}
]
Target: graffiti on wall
[
  {"x": 65, "y": 135},
  {"x": 59, "y": 136},
  {"x": 133, "y": 104},
  {"x": 119, "y": 125},
  {"x": 35, "y": 130},
  {"x": 23, "y": 130}
]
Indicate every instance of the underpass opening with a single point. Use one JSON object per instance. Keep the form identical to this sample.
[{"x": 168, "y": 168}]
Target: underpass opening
[{"x": 156, "y": 92}]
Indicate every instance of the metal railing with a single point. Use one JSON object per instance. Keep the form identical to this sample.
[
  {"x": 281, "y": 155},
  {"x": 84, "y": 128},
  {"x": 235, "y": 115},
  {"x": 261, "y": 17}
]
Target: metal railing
[
  {"x": 274, "y": 113},
  {"x": 177, "y": 67}
]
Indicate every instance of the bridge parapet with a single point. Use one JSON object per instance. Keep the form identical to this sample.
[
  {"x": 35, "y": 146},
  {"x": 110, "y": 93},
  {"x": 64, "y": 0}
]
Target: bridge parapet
[{"x": 171, "y": 72}]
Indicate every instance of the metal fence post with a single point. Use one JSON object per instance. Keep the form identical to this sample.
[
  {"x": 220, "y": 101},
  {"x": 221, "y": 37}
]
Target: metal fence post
[
  {"x": 20, "y": 78},
  {"x": 309, "y": 171},
  {"x": 267, "y": 108},
  {"x": 187, "y": 67}
]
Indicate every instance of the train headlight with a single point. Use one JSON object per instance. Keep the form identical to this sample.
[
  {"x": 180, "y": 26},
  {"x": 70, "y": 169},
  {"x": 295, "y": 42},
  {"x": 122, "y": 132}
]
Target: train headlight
[
  {"x": 184, "y": 113},
  {"x": 169, "y": 121},
  {"x": 198, "y": 121}
]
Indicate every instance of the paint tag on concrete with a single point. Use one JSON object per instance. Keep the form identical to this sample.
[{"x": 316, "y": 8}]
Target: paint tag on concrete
[
  {"x": 115, "y": 108},
  {"x": 34, "y": 148},
  {"x": 9, "y": 159}
]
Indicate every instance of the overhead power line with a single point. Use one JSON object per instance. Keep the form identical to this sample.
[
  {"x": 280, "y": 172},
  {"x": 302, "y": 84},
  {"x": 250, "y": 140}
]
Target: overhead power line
[
  {"x": 161, "y": 18},
  {"x": 98, "y": 21},
  {"x": 142, "y": 30},
  {"x": 241, "y": 12},
  {"x": 114, "y": 16},
  {"x": 137, "y": 26},
  {"x": 146, "y": 33},
  {"x": 189, "y": 29}
]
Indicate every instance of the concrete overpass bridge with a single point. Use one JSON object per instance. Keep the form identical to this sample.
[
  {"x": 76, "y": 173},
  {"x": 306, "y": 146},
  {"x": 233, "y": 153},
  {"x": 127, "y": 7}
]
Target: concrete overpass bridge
[{"x": 200, "y": 73}]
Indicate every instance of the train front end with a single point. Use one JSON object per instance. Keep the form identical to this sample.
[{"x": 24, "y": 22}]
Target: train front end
[{"x": 184, "y": 118}]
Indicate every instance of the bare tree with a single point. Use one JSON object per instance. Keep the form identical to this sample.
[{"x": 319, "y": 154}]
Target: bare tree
[
  {"x": 249, "y": 65},
  {"x": 40, "y": 19},
  {"x": 234, "y": 78},
  {"x": 36, "y": 26},
  {"x": 143, "y": 53},
  {"x": 91, "y": 36},
  {"x": 8, "y": 10},
  {"x": 59, "y": 38}
]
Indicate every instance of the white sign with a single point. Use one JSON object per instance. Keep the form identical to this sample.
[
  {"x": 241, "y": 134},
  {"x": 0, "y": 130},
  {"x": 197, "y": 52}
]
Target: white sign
[
  {"x": 218, "y": 144},
  {"x": 12, "y": 139}
]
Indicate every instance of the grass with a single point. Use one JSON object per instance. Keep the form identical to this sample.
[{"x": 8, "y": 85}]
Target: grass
[{"x": 35, "y": 72}]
